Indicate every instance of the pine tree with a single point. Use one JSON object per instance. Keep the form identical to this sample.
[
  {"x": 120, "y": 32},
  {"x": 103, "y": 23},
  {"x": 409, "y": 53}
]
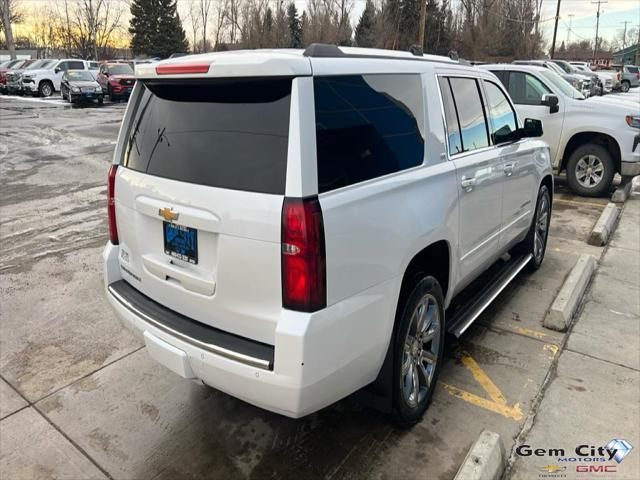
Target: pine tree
[
  {"x": 365, "y": 30},
  {"x": 295, "y": 26},
  {"x": 156, "y": 29},
  {"x": 408, "y": 27}
]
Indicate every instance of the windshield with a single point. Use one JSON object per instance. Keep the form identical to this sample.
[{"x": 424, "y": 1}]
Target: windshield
[
  {"x": 556, "y": 68},
  {"x": 33, "y": 65},
  {"x": 79, "y": 76},
  {"x": 44, "y": 64},
  {"x": 561, "y": 84},
  {"x": 120, "y": 69}
]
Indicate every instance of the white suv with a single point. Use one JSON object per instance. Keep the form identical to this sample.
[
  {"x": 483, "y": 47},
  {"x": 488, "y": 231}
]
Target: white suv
[
  {"x": 591, "y": 139},
  {"x": 45, "y": 81},
  {"x": 291, "y": 226}
]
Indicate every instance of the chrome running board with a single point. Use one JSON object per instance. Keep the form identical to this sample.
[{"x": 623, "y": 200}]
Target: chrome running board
[{"x": 460, "y": 315}]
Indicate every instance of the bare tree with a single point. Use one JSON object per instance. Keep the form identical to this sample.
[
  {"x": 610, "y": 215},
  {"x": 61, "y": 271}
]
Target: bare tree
[
  {"x": 204, "y": 9},
  {"x": 10, "y": 14}
]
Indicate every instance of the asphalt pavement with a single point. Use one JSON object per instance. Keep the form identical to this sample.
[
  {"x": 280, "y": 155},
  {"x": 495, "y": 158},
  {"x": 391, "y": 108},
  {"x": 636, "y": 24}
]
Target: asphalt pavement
[{"x": 80, "y": 398}]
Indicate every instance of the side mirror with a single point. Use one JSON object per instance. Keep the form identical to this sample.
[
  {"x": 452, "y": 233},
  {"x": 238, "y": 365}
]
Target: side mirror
[
  {"x": 58, "y": 70},
  {"x": 532, "y": 128},
  {"x": 550, "y": 101},
  {"x": 105, "y": 73}
]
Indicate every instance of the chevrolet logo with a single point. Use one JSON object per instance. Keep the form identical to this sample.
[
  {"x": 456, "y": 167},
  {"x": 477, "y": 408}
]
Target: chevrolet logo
[
  {"x": 168, "y": 214},
  {"x": 553, "y": 469}
]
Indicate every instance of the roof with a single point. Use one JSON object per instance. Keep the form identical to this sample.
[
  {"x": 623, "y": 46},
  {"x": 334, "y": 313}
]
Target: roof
[{"x": 280, "y": 62}]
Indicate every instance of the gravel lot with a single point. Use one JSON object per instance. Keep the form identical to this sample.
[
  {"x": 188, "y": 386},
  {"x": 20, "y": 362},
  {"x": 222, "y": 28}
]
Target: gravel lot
[{"x": 80, "y": 398}]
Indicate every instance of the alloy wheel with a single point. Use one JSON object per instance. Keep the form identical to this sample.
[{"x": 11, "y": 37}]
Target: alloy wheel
[
  {"x": 421, "y": 349},
  {"x": 542, "y": 227},
  {"x": 589, "y": 171},
  {"x": 46, "y": 90}
]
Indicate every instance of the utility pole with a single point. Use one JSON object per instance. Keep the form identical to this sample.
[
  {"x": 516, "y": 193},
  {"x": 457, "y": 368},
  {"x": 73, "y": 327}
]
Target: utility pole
[
  {"x": 624, "y": 34},
  {"x": 555, "y": 31},
  {"x": 421, "y": 25},
  {"x": 595, "y": 47},
  {"x": 571, "y": 15}
]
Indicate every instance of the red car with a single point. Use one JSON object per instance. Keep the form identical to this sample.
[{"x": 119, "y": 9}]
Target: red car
[
  {"x": 116, "y": 80},
  {"x": 4, "y": 68}
]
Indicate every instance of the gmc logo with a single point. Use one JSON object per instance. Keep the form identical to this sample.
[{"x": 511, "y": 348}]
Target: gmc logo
[{"x": 596, "y": 468}]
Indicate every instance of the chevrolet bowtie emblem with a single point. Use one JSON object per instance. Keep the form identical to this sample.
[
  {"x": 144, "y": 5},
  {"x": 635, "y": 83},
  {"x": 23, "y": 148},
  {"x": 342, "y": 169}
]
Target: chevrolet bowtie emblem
[
  {"x": 168, "y": 214},
  {"x": 553, "y": 469}
]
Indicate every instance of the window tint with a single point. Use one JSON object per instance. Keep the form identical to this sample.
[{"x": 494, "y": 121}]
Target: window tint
[
  {"x": 525, "y": 89},
  {"x": 367, "y": 126},
  {"x": 503, "y": 118},
  {"x": 221, "y": 133},
  {"x": 63, "y": 65},
  {"x": 75, "y": 66},
  {"x": 450, "y": 115},
  {"x": 470, "y": 113},
  {"x": 632, "y": 69},
  {"x": 120, "y": 69}
]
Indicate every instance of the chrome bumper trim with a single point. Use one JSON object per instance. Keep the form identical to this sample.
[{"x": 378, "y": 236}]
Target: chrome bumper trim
[{"x": 223, "y": 352}]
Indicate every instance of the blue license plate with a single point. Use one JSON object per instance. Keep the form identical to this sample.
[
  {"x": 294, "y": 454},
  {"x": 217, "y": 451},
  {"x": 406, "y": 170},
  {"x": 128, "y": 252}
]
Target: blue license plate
[
  {"x": 88, "y": 94},
  {"x": 181, "y": 242}
]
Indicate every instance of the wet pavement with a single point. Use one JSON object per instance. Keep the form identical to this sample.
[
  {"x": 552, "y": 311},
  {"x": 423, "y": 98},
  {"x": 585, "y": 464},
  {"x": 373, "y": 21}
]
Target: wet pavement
[{"x": 75, "y": 383}]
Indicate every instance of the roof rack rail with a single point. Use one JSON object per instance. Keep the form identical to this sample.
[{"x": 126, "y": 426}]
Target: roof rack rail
[{"x": 325, "y": 50}]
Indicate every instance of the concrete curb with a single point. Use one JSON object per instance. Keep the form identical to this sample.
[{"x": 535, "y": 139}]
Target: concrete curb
[
  {"x": 604, "y": 226},
  {"x": 485, "y": 460},
  {"x": 569, "y": 296},
  {"x": 622, "y": 192}
]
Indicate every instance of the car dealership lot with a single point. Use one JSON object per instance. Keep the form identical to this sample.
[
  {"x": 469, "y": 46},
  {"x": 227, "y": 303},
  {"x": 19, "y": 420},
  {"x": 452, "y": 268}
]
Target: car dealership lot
[{"x": 75, "y": 383}]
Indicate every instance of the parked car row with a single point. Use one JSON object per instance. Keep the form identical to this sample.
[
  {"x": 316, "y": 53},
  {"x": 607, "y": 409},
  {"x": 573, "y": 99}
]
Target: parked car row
[
  {"x": 69, "y": 77},
  {"x": 591, "y": 139}
]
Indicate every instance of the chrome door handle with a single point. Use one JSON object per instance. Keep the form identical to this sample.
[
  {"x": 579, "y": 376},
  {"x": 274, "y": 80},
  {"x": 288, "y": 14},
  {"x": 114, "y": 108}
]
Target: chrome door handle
[
  {"x": 468, "y": 184},
  {"x": 508, "y": 168}
]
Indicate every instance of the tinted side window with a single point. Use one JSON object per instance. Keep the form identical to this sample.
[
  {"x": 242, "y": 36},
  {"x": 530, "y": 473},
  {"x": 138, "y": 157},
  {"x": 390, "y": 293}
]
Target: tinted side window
[
  {"x": 525, "y": 89},
  {"x": 503, "y": 118},
  {"x": 63, "y": 66},
  {"x": 470, "y": 113},
  {"x": 451, "y": 117},
  {"x": 75, "y": 66},
  {"x": 367, "y": 126}
]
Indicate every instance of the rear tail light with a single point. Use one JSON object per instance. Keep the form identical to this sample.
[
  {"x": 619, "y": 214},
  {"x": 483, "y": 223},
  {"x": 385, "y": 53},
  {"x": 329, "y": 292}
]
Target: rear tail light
[
  {"x": 304, "y": 283},
  {"x": 111, "y": 204}
]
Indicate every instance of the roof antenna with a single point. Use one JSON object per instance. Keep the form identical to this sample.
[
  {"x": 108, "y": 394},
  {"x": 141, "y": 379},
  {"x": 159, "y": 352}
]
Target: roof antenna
[{"x": 416, "y": 50}]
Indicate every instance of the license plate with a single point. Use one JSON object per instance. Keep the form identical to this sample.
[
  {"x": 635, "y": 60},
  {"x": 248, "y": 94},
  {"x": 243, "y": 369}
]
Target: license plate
[
  {"x": 181, "y": 242},
  {"x": 88, "y": 94}
]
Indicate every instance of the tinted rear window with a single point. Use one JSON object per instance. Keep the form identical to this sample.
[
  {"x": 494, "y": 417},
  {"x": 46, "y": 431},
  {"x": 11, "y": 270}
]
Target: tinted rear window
[{"x": 226, "y": 133}]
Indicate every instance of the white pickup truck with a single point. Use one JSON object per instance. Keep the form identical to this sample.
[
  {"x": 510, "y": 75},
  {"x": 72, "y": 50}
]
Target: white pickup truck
[
  {"x": 44, "y": 82},
  {"x": 591, "y": 139}
]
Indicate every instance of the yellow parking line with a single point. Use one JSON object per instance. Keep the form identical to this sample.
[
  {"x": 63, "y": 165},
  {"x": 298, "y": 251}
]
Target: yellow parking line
[
  {"x": 485, "y": 382},
  {"x": 573, "y": 202},
  {"x": 513, "y": 413},
  {"x": 528, "y": 332}
]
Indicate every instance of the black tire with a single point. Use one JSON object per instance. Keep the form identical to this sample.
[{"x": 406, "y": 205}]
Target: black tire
[
  {"x": 110, "y": 93},
  {"x": 100, "y": 101},
  {"x": 528, "y": 245},
  {"x": 45, "y": 89},
  {"x": 625, "y": 86},
  {"x": 599, "y": 183},
  {"x": 427, "y": 289}
]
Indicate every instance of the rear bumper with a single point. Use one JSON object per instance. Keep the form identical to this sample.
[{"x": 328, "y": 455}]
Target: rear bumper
[{"x": 318, "y": 358}]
